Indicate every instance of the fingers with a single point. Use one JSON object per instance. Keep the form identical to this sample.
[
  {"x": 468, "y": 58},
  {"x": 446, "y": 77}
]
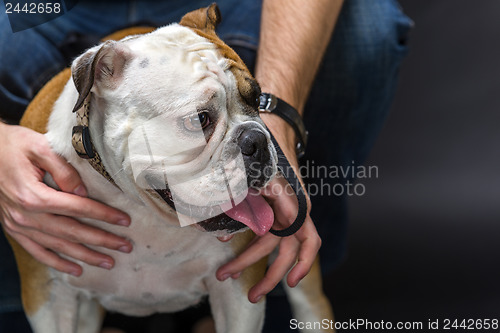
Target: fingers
[
  {"x": 74, "y": 231},
  {"x": 73, "y": 250},
  {"x": 62, "y": 203},
  {"x": 62, "y": 227},
  {"x": 45, "y": 246},
  {"x": 297, "y": 251},
  {"x": 41, "y": 242},
  {"x": 65, "y": 176},
  {"x": 47, "y": 257},
  {"x": 278, "y": 269},
  {"x": 311, "y": 242},
  {"x": 253, "y": 253},
  {"x": 283, "y": 200},
  {"x": 277, "y": 188}
]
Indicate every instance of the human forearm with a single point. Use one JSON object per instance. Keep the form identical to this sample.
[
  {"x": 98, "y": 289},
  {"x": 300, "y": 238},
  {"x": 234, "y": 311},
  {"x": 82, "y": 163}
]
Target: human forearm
[{"x": 293, "y": 38}]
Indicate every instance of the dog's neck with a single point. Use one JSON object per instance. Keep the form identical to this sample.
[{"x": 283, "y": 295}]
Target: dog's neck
[
  {"x": 82, "y": 142},
  {"x": 59, "y": 134}
]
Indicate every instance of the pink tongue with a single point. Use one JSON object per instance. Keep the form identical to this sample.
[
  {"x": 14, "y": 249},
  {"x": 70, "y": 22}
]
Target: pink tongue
[{"x": 254, "y": 212}]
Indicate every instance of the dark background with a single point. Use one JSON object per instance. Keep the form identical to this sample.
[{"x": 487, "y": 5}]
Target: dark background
[{"x": 424, "y": 238}]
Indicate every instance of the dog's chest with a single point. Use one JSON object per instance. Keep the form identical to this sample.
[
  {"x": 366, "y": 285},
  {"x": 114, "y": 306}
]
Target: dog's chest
[{"x": 165, "y": 272}]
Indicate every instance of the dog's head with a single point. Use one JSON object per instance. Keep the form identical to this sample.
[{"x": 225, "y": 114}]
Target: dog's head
[{"x": 174, "y": 117}]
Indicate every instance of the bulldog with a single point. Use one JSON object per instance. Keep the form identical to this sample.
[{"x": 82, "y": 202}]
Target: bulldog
[{"x": 168, "y": 126}]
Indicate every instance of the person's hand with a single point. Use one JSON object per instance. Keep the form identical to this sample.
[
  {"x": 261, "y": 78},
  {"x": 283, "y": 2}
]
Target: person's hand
[
  {"x": 297, "y": 251},
  {"x": 40, "y": 218}
]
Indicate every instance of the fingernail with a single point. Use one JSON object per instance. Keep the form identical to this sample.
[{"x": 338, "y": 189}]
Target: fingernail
[
  {"x": 225, "y": 276},
  {"x": 75, "y": 273},
  {"x": 125, "y": 248},
  {"x": 80, "y": 190},
  {"x": 237, "y": 275},
  {"x": 123, "y": 222},
  {"x": 106, "y": 265},
  {"x": 258, "y": 298}
]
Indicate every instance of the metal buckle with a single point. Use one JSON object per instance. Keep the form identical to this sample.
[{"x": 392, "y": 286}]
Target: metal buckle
[
  {"x": 267, "y": 102},
  {"x": 82, "y": 142}
]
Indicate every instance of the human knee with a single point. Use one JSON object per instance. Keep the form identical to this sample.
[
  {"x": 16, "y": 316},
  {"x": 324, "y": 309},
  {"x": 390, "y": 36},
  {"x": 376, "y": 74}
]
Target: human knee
[{"x": 374, "y": 31}]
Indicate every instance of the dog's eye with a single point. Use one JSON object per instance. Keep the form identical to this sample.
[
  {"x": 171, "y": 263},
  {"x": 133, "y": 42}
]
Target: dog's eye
[{"x": 197, "y": 122}]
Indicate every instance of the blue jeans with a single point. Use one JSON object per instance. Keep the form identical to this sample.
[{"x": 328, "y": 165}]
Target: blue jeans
[{"x": 346, "y": 109}]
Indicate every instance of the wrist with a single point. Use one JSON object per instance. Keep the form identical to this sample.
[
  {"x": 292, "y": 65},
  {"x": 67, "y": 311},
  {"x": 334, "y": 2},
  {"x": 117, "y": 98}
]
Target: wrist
[
  {"x": 287, "y": 94},
  {"x": 283, "y": 133}
]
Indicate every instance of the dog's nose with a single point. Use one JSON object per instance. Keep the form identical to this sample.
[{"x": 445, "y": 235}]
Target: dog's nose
[
  {"x": 252, "y": 143},
  {"x": 256, "y": 155}
]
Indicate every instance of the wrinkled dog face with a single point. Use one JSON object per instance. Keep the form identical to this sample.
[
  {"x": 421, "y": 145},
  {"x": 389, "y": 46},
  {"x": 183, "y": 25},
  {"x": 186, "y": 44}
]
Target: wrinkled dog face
[{"x": 174, "y": 116}]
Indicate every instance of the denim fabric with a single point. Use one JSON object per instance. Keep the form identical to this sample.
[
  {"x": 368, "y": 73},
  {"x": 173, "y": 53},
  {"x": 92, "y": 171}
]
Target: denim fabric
[
  {"x": 348, "y": 104},
  {"x": 346, "y": 109},
  {"x": 31, "y": 57}
]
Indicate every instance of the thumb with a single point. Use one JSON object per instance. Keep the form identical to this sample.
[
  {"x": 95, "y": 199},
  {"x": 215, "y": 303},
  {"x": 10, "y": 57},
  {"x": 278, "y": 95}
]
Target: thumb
[{"x": 63, "y": 173}]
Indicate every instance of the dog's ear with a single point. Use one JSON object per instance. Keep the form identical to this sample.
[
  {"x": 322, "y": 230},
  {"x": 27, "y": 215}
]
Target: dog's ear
[
  {"x": 205, "y": 19},
  {"x": 103, "y": 66}
]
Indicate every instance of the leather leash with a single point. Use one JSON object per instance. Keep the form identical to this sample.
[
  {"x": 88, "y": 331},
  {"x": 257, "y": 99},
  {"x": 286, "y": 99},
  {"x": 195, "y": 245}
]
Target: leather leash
[
  {"x": 269, "y": 103},
  {"x": 294, "y": 182}
]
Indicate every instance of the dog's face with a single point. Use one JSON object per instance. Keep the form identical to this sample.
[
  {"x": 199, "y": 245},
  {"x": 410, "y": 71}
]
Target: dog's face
[{"x": 174, "y": 116}]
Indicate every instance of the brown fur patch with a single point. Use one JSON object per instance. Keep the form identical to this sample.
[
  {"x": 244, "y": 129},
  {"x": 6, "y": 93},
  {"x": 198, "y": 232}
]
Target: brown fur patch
[
  {"x": 34, "y": 278},
  {"x": 312, "y": 288},
  {"x": 37, "y": 114},
  {"x": 253, "y": 274},
  {"x": 203, "y": 21}
]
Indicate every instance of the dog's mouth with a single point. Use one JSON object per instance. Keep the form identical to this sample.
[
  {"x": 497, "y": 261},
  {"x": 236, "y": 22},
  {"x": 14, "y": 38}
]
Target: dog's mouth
[{"x": 253, "y": 212}]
